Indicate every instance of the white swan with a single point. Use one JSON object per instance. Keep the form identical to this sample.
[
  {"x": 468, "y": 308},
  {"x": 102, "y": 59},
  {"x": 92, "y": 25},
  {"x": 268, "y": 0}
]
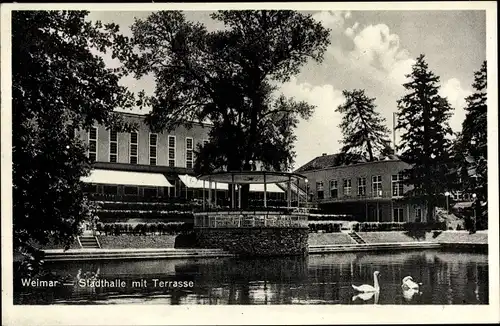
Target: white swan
[
  {"x": 367, "y": 287},
  {"x": 408, "y": 284},
  {"x": 365, "y": 296},
  {"x": 410, "y": 293}
]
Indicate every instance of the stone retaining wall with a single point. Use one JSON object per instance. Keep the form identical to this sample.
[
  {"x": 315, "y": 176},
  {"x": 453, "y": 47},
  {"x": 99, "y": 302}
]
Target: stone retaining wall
[{"x": 255, "y": 241}]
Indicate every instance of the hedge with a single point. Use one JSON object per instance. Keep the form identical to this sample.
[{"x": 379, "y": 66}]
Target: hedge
[
  {"x": 115, "y": 215},
  {"x": 143, "y": 228},
  {"x": 145, "y": 206},
  {"x": 326, "y": 227},
  {"x": 407, "y": 226}
]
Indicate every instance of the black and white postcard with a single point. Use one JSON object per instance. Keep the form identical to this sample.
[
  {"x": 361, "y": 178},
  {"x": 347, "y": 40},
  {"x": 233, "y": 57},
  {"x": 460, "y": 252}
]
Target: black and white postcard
[{"x": 249, "y": 163}]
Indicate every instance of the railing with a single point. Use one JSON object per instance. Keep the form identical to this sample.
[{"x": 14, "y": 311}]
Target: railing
[{"x": 249, "y": 220}]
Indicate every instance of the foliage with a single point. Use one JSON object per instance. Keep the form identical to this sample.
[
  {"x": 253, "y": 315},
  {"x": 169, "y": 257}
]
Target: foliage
[
  {"x": 473, "y": 145},
  {"x": 422, "y": 117},
  {"x": 392, "y": 226},
  {"x": 364, "y": 131},
  {"x": 326, "y": 227},
  {"x": 143, "y": 228},
  {"x": 230, "y": 78},
  {"x": 59, "y": 85}
]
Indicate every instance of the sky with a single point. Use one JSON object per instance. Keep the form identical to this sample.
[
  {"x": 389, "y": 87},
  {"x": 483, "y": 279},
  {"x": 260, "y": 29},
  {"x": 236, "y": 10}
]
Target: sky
[{"x": 370, "y": 50}]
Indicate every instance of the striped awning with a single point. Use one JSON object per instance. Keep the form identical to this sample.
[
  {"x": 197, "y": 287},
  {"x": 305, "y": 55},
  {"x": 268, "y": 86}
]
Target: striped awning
[{"x": 127, "y": 178}]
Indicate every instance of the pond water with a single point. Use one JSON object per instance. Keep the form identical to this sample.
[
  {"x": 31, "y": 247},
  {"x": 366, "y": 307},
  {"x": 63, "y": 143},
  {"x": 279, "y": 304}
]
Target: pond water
[{"x": 447, "y": 278}]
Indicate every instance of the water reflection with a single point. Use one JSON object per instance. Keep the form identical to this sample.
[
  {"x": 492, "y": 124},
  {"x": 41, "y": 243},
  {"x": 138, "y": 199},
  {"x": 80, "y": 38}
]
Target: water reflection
[{"x": 447, "y": 278}]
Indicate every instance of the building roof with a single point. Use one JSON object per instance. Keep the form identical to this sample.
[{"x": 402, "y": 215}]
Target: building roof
[{"x": 334, "y": 160}]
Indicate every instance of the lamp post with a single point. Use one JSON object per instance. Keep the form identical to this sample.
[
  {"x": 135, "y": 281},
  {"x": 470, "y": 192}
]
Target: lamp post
[
  {"x": 307, "y": 192},
  {"x": 447, "y": 194},
  {"x": 474, "y": 210}
]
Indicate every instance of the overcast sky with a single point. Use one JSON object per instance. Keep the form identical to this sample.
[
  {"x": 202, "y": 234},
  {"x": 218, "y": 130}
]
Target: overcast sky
[{"x": 371, "y": 50}]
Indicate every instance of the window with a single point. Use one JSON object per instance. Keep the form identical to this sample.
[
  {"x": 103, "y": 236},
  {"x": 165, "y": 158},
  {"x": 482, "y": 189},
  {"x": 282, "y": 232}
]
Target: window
[
  {"x": 90, "y": 188},
  {"x": 418, "y": 214},
  {"x": 320, "y": 190},
  {"x": 397, "y": 215},
  {"x": 334, "y": 189},
  {"x": 134, "y": 141},
  {"x": 347, "y": 187},
  {"x": 361, "y": 186},
  {"x": 153, "y": 138},
  {"x": 110, "y": 190},
  {"x": 377, "y": 186},
  {"x": 397, "y": 185},
  {"x": 93, "y": 144},
  {"x": 113, "y": 146},
  {"x": 131, "y": 191},
  {"x": 150, "y": 192},
  {"x": 189, "y": 152},
  {"x": 171, "y": 150}
]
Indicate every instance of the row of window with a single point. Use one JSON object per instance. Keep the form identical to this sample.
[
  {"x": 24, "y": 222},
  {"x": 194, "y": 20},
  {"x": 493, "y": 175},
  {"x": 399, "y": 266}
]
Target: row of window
[
  {"x": 397, "y": 215},
  {"x": 377, "y": 191},
  {"x": 134, "y": 148}
]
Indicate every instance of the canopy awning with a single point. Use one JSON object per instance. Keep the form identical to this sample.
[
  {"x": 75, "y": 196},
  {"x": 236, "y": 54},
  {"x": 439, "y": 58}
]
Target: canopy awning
[
  {"x": 270, "y": 187},
  {"x": 193, "y": 182},
  {"x": 127, "y": 178}
]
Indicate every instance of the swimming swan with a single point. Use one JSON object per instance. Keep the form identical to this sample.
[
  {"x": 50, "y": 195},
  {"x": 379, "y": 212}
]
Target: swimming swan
[
  {"x": 369, "y": 288},
  {"x": 408, "y": 283},
  {"x": 365, "y": 296}
]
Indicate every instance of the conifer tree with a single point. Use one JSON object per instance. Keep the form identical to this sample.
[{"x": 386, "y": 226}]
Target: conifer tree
[
  {"x": 363, "y": 128},
  {"x": 474, "y": 149},
  {"x": 423, "y": 118}
]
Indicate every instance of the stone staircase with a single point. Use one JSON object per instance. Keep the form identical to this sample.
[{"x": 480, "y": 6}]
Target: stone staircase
[
  {"x": 356, "y": 237},
  {"x": 88, "y": 242}
]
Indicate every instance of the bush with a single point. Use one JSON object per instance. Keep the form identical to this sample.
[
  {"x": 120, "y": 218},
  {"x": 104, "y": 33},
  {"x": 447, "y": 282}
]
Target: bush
[
  {"x": 144, "y": 228},
  {"x": 172, "y": 216},
  {"x": 326, "y": 227},
  {"x": 394, "y": 226}
]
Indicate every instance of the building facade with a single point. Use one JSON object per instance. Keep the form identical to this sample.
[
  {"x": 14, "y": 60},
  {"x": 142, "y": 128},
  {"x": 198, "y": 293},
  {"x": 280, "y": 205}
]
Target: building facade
[
  {"x": 367, "y": 191},
  {"x": 145, "y": 165}
]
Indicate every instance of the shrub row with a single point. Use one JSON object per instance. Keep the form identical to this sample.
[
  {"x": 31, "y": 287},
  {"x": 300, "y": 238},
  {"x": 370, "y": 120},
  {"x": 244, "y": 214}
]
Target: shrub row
[
  {"x": 326, "y": 227},
  {"x": 143, "y": 229},
  {"x": 407, "y": 226},
  {"x": 146, "y": 206},
  {"x": 173, "y": 216}
]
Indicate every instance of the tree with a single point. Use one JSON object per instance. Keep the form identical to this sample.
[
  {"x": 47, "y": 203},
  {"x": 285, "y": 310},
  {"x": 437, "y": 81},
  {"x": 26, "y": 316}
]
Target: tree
[
  {"x": 423, "y": 115},
  {"x": 59, "y": 85},
  {"x": 229, "y": 77},
  {"x": 472, "y": 154},
  {"x": 363, "y": 128}
]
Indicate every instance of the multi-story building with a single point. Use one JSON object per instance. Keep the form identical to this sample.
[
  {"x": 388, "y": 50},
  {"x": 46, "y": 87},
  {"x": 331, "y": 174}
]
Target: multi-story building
[
  {"x": 145, "y": 164},
  {"x": 369, "y": 191}
]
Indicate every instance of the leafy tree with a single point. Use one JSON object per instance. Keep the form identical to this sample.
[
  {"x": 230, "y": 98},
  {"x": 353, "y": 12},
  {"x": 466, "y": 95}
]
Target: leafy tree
[
  {"x": 229, "y": 77},
  {"x": 423, "y": 116},
  {"x": 59, "y": 85},
  {"x": 363, "y": 128}
]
